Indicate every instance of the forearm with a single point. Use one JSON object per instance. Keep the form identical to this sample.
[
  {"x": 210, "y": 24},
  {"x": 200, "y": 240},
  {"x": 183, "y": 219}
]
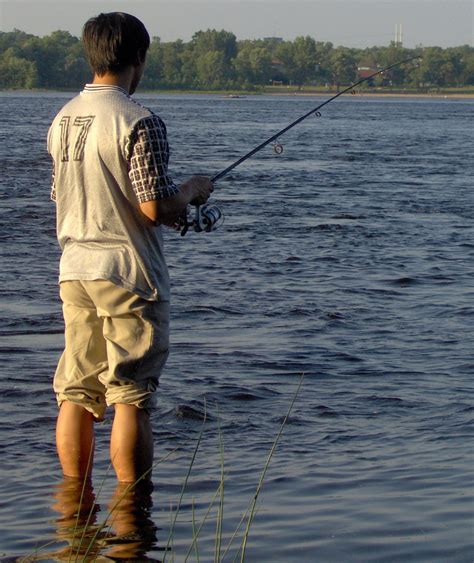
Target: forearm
[
  {"x": 171, "y": 208},
  {"x": 167, "y": 211}
]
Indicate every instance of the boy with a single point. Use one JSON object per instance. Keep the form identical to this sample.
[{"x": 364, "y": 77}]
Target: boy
[{"x": 112, "y": 192}]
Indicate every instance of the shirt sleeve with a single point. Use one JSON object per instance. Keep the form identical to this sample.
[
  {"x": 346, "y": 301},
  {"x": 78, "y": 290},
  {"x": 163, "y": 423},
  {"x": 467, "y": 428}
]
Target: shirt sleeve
[{"x": 148, "y": 156}]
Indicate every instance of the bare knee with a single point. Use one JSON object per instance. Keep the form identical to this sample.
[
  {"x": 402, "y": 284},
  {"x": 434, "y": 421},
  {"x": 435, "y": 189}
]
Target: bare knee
[
  {"x": 75, "y": 439},
  {"x": 131, "y": 445}
]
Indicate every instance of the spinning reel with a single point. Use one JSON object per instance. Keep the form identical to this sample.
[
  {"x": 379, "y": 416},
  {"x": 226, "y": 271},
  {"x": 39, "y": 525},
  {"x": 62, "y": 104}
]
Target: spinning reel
[{"x": 207, "y": 218}]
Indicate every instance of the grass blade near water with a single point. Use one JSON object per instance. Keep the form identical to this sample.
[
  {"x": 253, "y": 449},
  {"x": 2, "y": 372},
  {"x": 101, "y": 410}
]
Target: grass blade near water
[
  {"x": 185, "y": 484},
  {"x": 220, "y": 510},
  {"x": 194, "y": 533},
  {"x": 203, "y": 521},
  {"x": 264, "y": 472},
  {"x": 249, "y": 513}
]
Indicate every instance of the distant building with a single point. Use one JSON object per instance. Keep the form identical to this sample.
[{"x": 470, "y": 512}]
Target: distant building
[
  {"x": 364, "y": 71},
  {"x": 278, "y": 65},
  {"x": 274, "y": 39}
]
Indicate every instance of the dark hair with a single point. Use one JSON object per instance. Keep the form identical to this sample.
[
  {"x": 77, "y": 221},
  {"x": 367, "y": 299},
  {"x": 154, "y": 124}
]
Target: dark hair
[{"x": 114, "y": 41}]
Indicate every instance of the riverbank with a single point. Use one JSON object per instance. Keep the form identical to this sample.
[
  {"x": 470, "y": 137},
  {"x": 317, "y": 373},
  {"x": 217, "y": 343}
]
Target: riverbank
[
  {"x": 309, "y": 91},
  {"x": 451, "y": 93},
  {"x": 375, "y": 92}
]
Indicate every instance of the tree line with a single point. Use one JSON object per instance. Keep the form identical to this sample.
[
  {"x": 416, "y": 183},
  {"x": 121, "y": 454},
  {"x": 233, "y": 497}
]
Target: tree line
[{"x": 216, "y": 60}]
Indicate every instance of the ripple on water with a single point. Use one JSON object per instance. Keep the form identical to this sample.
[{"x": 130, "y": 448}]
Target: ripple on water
[{"x": 349, "y": 262}]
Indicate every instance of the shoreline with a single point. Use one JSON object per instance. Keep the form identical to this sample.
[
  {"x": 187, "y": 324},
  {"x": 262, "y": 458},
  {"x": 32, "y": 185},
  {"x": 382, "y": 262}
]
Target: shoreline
[
  {"x": 236, "y": 94},
  {"x": 377, "y": 95}
]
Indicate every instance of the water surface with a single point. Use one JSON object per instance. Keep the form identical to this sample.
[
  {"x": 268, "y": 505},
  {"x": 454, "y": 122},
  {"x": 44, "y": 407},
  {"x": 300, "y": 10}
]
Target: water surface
[{"x": 348, "y": 258}]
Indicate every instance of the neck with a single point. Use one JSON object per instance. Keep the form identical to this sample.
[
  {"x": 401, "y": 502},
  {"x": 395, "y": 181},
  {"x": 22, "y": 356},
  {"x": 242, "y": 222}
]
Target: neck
[{"x": 124, "y": 79}]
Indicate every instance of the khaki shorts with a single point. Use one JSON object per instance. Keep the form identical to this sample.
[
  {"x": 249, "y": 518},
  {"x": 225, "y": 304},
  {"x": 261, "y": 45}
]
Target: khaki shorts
[{"x": 116, "y": 344}]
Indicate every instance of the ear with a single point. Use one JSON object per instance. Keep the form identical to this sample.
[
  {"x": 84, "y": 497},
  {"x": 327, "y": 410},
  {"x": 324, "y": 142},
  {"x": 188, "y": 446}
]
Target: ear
[{"x": 141, "y": 57}]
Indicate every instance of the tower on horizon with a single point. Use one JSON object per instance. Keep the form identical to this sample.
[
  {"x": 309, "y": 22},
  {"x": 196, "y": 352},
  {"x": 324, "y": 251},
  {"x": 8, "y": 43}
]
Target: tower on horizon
[{"x": 398, "y": 35}]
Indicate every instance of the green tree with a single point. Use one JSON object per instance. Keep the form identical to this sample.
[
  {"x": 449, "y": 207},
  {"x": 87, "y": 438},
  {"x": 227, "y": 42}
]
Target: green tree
[
  {"x": 222, "y": 41},
  {"x": 211, "y": 70},
  {"x": 343, "y": 66},
  {"x": 435, "y": 69},
  {"x": 50, "y": 54},
  {"x": 76, "y": 70},
  {"x": 214, "y": 59},
  {"x": 467, "y": 76},
  {"x": 305, "y": 60},
  {"x": 16, "y": 72},
  {"x": 213, "y": 41},
  {"x": 323, "y": 62},
  {"x": 300, "y": 59},
  {"x": 13, "y": 39},
  {"x": 253, "y": 65},
  {"x": 391, "y": 55},
  {"x": 188, "y": 67},
  {"x": 172, "y": 63},
  {"x": 154, "y": 65}
]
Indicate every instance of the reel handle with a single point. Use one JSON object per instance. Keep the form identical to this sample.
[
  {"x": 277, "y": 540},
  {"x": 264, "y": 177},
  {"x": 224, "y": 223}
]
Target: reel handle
[
  {"x": 206, "y": 218},
  {"x": 185, "y": 222}
]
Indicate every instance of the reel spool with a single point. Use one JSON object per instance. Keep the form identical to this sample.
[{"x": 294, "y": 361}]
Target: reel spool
[{"x": 208, "y": 217}]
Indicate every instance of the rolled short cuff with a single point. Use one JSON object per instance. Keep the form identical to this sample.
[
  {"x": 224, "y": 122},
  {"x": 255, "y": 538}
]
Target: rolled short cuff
[
  {"x": 96, "y": 408},
  {"x": 141, "y": 396}
]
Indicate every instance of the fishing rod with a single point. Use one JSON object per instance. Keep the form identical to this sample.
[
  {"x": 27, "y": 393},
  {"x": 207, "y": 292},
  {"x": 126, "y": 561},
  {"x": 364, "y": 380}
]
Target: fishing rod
[{"x": 208, "y": 215}]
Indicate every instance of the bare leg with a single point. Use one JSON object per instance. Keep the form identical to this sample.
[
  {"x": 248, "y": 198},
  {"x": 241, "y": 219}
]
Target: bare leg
[
  {"x": 75, "y": 440},
  {"x": 131, "y": 443}
]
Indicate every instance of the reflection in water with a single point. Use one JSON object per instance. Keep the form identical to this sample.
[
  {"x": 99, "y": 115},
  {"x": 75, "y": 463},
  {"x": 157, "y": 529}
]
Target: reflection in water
[
  {"x": 126, "y": 532},
  {"x": 77, "y": 524},
  {"x": 133, "y": 533}
]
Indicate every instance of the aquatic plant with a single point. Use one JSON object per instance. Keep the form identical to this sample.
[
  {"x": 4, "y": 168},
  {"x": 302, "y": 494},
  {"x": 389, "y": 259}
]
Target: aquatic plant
[{"x": 87, "y": 538}]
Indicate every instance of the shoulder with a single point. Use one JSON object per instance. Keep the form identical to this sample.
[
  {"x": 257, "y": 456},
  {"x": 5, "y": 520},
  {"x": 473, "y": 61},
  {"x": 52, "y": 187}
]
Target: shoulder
[
  {"x": 148, "y": 132},
  {"x": 150, "y": 124},
  {"x": 66, "y": 108}
]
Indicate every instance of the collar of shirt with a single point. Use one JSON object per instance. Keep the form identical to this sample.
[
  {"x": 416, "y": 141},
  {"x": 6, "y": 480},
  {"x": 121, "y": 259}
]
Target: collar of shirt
[{"x": 104, "y": 87}]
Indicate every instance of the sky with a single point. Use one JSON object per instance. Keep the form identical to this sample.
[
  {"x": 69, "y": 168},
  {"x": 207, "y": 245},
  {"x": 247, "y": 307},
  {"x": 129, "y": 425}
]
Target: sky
[{"x": 352, "y": 23}]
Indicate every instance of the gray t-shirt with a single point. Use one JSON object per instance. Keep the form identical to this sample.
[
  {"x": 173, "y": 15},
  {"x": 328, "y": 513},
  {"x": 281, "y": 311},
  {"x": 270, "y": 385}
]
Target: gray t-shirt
[{"x": 110, "y": 154}]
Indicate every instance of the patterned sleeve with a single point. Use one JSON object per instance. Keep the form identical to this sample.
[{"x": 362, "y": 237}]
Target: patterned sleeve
[{"x": 148, "y": 156}]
